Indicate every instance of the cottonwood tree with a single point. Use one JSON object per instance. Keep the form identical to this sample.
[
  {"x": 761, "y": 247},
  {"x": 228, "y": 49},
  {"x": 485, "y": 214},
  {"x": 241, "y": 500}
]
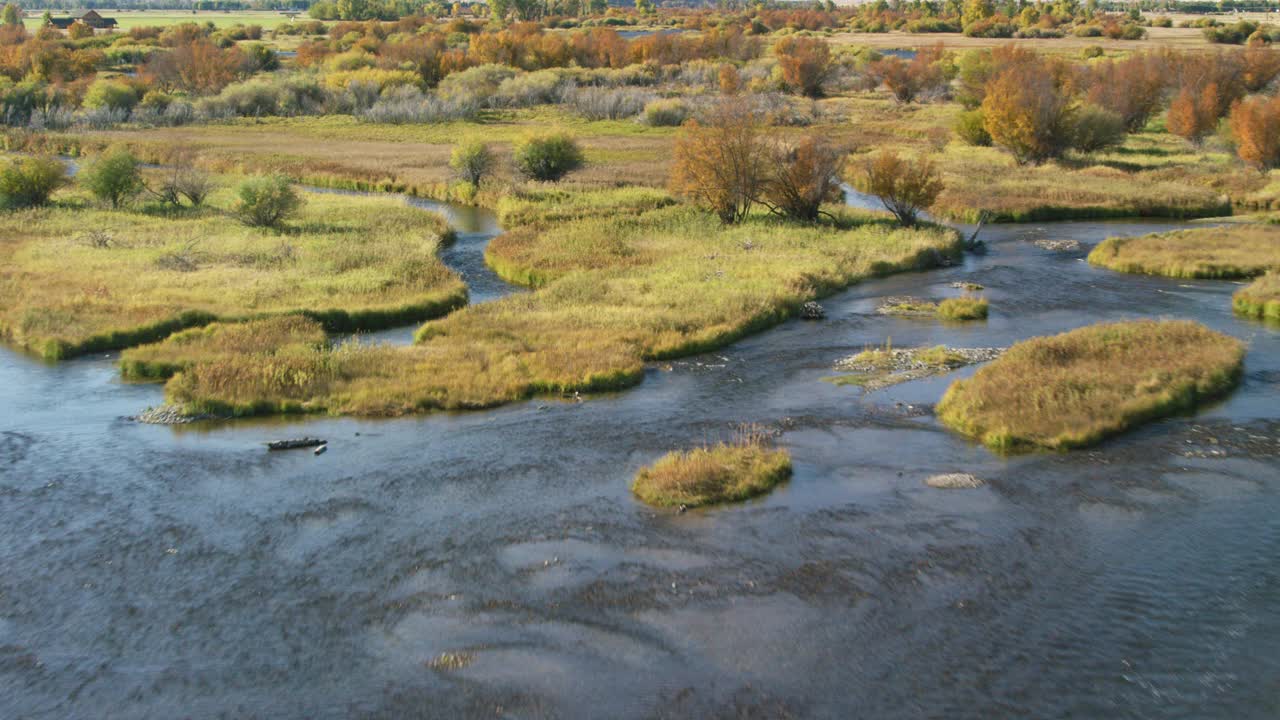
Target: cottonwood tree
[
  {"x": 804, "y": 175},
  {"x": 805, "y": 64},
  {"x": 905, "y": 187},
  {"x": 472, "y": 161},
  {"x": 721, "y": 164},
  {"x": 1029, "y": 112},
  {"x": 1255, "y": 123}
]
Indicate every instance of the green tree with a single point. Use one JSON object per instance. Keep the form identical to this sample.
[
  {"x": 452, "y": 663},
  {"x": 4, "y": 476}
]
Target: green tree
[
  {"x": 353, "y": 9},
  {"x": 472, "y": 161},
  {"x": 645, "y": 6},
  {"x": 114, "y": 177},
  {"x": 11, "y": 15}
]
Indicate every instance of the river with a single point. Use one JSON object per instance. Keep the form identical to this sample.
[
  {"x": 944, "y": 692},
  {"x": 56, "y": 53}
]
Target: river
[{"x": 186, "y": 572}]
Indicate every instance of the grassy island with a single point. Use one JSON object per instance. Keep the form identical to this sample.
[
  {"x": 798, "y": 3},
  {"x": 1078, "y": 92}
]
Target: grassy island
[
  {"x": 1074, "y": 389},
  {"x": 78, "y": 278},
  {"x": 731, "y": 471},
  {"x": 1260, "y": 299},
  {"x": 1234, "y": 251},
  {"x": 613, "y": 291}
]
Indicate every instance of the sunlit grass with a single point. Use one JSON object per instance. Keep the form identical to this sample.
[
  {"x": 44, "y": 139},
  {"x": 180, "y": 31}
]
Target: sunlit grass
[
  {"x": 1074, "y": 389},
  {"x": 739, "y": 469},
  {"x": 1260, "y": 299},
  {"x": 632, "y": 287},
  {"x": 963, "y": 308},
  {"x": 1234, "y": 251},
  {"x": 79, "y": 278}
]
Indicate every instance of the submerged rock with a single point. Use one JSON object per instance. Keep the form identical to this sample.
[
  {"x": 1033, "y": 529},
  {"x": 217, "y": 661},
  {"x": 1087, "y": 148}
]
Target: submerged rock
[
  {"x": 812, "y": 311},
  {"x": 875, "y": 369},
  {"x": 954, "y": 481},
  {"x": 295, "y": 443}
]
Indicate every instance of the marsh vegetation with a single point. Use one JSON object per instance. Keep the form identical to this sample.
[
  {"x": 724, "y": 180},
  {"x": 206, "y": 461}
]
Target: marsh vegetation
[
  {"x": 1074, "y": 389},
  {"x": 731, "y": 471}
]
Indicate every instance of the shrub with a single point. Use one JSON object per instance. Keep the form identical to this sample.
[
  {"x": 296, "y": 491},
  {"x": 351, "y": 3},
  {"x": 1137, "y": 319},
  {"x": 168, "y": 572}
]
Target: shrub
[
  {"x": 671, "y": 112},
  {"x": 805, "y": 64},
  {"x": 1029, "y": 113},
  {"x": 472, "y": 161},
  {"x": 266, "y": 201},
  {"x": 29, "y": 181},
  {"x": 1255, "y": 123},
  {"x": 905, "y": 187},
  {"x": 1133, "y": 88},
  {"x": 114, "y": 177},
  {"x": 971, "y": 128},
  {"x": 803, "y": 176},
  {"x": 721, "y": 165},
  {"x": 1097, "y": 129},
  {"x": 547, "y": 157},
  {"x": 595, "y": 103},
  {"x": 111, "y": 94}
]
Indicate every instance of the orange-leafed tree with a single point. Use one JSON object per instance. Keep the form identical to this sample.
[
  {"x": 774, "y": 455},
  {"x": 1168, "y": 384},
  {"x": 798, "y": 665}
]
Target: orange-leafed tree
[
  {"x": 1192, "y": 115},
  {"x": 1132, "y": 88},
  {"x": 1255, "y": 123},
  {"x": 905, "y": 187},
  {"x": 722, "y": 164},
  {"x": 805, "y": 64},
  {"x": 804, "y": 175},
  {"x": 729, "y": 79},
  {"x": 1029, "y": 112},
  {"x": 1261, "y": 65}
]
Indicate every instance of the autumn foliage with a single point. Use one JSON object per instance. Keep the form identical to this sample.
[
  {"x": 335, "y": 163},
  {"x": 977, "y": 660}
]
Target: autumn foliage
[
  {"x": 1255, "y": 123},
  {"x": 721, "y": 164},
  {"x": 804, "y": 175},
  {"x": 1029, "y": 112},
  {"x": 904, "y": 186},
  {"x": 805, "y": 64}
]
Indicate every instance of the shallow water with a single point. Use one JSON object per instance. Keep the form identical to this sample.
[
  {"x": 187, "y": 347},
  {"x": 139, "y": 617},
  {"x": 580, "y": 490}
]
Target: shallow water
[{"x": 173, "y": 572}]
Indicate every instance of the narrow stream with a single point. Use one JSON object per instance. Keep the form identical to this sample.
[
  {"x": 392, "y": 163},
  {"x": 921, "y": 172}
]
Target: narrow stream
[{"x": 494, "y": 563}]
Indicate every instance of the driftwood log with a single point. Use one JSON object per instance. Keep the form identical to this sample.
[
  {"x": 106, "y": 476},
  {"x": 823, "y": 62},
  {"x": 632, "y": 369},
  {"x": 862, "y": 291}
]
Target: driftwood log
[{"x": 295, "y": 443}]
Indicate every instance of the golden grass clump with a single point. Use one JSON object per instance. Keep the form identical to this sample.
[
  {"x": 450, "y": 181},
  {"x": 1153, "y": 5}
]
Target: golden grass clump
[
  {"x": 963, "y": 308},
  {"x": 1074, "y": 389},
  {"x": 78, "y": 278},
  {"x": 742, "y": 468},
  {"x": 1259, "y": 299},
  {"x": 217, "y": 342},
  {"x": 1234, "y": 251},
  {"x": 661, "y": 284}
]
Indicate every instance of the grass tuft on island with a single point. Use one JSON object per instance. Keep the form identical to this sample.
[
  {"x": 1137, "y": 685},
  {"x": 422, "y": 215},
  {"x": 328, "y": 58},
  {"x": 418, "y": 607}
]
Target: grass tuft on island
[
  {"x": 732, "y": 471},
  {"x": 1260, "y": 299},
  {"x": 959, "y": 309},
  {"x": 613, "y": 291},
  {"x": 1072, "y": 390},
  {"x": 1234, "y": 251},
  {"x": 79, "y": 278}
]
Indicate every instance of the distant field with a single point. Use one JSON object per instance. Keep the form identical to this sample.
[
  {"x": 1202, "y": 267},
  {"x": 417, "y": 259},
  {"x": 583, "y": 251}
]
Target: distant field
[{"x": 140, "y": 18}]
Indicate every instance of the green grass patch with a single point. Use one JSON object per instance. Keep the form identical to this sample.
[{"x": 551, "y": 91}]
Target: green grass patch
[
  {"x": 79, "y": 278},
  {"x": 1260, "y": 299},
  {"x": 218, "y": 341},
  {"x": 963, "y": 308},
  {"x": 1074, "y": 389},
  {"x": 733, "y": 471},
  {"x": 1234, "y": 251}
]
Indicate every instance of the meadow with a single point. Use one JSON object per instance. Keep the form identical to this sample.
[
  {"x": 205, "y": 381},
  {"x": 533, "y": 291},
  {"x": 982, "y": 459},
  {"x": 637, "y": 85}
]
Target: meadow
[
  {"x": 1074, "y": 389},
  {"x": 78, "y": 277},
  {"x": 129, "y": 19}
]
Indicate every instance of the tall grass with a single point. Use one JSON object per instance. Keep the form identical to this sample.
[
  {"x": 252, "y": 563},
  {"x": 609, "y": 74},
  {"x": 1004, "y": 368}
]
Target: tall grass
[
  {"x": 1260, "y": 299},
  {"x": 739, "y": 469},
  {"x": 349, "y": 263},
  {"x": 615, "y": 290},
  {"x": 1074, "y": 389},
  {"x": 1234, "y": 251}
]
